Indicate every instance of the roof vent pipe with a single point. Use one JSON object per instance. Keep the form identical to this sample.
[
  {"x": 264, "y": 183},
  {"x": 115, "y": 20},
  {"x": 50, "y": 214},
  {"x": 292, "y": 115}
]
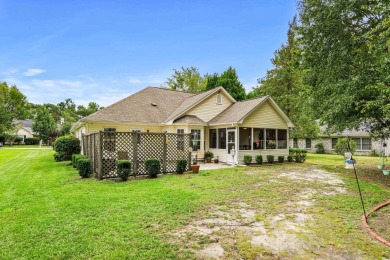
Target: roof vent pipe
[{"x": 154, "y": 104}]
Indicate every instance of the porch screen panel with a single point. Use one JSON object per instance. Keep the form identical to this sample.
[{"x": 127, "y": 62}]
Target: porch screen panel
[
  {"x": 282, "y": 139},
  {"x": 258, "y": 138},
  {"x": 270, "y": 135},
  {"x": 222, "y": 138},
  {"x": 213, "y": 138},
  {"x": 245, "y": 142}
]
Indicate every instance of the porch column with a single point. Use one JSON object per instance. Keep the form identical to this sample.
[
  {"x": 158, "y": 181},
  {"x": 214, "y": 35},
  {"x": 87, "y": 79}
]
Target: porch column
[{"x": 265, "y": 138}]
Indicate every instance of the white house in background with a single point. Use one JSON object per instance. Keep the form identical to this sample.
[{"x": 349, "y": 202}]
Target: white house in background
[
  {"x": 25, "y": 129},
  {"x": 365, "y": 144},
  {"x": 215, "y": 120}
]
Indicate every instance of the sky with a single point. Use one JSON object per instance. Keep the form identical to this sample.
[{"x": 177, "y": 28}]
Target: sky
[{"x": 102, "y": 51}]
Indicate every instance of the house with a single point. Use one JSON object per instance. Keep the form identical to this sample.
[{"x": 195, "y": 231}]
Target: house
[
  {"x": 24, "y": 128},
  {"x": 365, "y": 144},
  {"x": 216, "y": 121}
]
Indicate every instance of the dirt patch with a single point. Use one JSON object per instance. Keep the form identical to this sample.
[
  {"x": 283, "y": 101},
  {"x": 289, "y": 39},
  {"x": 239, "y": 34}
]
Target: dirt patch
[{"x": 240, "y": 230}]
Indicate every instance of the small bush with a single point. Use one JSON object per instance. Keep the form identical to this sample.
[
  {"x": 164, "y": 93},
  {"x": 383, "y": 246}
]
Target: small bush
[
  {"x": 280, "y": 158},
  {"x": 319, "y": 148},
  {"x": 271, "y": 144},
  {"x": 298, "y": 154},
  {"x": 289, "y": 158},
  {"x": 181, "y": 166},
  {"x": 66, "y": 146},
  {"x": 78, "y": 158},
  {"x": 123, "y": 169},
  {"x": 84, "y": 167},
  {"x": 31, "y": 141},
  {"x": 342, "y": 146},
  {"x": 259, "y": 159},
  {"x": 18, "y": 139},
  {"x": 2, "y": 139},
  {"x": 74, "y": 156},
  {"x": 270, "y": 158},
  {"x": 374, "y": 153},
  {"x": 152, "y": 166},
  {"x": 247, "y": 159}
]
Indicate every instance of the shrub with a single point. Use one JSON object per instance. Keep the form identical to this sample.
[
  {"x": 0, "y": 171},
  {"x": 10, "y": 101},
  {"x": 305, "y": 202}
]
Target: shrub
[
  {"x": 342, "y": 146},
  {"x": 270, "y": 158},
  {"x": 2, "y": 139},
  {"x": 31, "y": 141},
  {"x": 208, "y": 154},
  {"x": 298, "y": 154},
  {"x": 181, "y": 166},
  {"x": 374, "y": 153},
  {"x": 247, "y": 159},
  {"x": 58, "y": 157},
  {"x": 319, "y": 148},
  {"x": 74, "y": 156},
  {"x": 152, "y": 166},
  {"x": 123, "y": 169},
  {"x": 66, "y": 146},
  {"x": 259, "y": 159},
  {"x": 281, "y": 158},
  {"x": 18, "y": 139},
  {"x": 78, "y": 158},
  {"x": 289, "y": 158},
  {"x": 84, "y": 167}
]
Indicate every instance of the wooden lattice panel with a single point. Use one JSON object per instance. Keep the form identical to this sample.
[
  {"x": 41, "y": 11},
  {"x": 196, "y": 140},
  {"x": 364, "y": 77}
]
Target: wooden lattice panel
[
  {"x": 149, "y": 145},
  {"x": 177, "y": 148}
]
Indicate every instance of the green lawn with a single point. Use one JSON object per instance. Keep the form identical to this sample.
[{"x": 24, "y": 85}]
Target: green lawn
[{"x": 47, "y": 211}]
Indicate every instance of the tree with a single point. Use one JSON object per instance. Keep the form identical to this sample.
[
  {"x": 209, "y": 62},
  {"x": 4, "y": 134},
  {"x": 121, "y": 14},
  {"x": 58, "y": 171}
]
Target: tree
[
  {"x": 229, "y": 80},
  {"x": 346, "y": 53},
  {"x": 284, "y": 84},
  {"x": 92, "y": 108},
  {"x": 187, "y": 80},
  {"x": 43, "y": 123},
  {"x": 13, "y": 105}
]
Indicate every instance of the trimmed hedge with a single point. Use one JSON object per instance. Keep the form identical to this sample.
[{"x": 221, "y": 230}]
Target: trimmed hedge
[
  {"x": 58, "y": 157},
  {"x": 66, "y": 146},
  {"x": 18, "y": 139},
  {"x": 77, "y": 158},
  {"x": 74, "y": 156},
  {"x": 152, "y": 166},
  {"x": 31, "y": 141},
  {"x": 270, "y": 158},
  {"x": 123, "y": 169},
  {"x": 181, "y": 166},
  {"x": 247, "y": 159},
  {"x": 259, "y": 159},
  {"x": 289, "y": 158},
  {"x": 84, "y": 167},
  {"x": 319, "y": 148},
  {"x": 280, "y": 158},
  {"x": 298, "y": 154}
]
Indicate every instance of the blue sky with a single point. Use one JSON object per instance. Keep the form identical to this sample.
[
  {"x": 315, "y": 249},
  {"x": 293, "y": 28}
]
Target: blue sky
[{"x": 103, "y": 51}]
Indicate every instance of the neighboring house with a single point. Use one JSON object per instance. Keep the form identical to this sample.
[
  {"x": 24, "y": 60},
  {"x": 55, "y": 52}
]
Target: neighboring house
[
  {"x": 216, "y": 121},
  {"x": 365, "y": 144},
  {"x": 25, "y": 128}
]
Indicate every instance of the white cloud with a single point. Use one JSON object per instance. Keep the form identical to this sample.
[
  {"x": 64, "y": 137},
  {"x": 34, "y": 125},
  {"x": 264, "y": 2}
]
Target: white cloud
[
  {"x": 33, "y": 72},
  {"x": 134, "y": 81},
  {"x": 149, "y": 80}
]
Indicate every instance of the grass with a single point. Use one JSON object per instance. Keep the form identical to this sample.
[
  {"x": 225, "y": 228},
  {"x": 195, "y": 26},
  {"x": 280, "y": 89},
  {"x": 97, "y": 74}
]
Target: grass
[{"x": 47, "y": 211}]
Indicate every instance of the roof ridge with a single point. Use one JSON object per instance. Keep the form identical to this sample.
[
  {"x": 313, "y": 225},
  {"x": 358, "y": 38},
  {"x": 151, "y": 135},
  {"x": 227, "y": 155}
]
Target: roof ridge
[{"x": 249, "y": 99}]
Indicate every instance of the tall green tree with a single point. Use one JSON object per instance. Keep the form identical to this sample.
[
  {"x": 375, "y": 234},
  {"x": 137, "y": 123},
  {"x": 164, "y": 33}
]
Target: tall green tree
[
  {"x": 187, "y": 80},
  {"x": 284, "y": 84},
  {"x": 346, "y": 57},
  {"x": 43, "y": 123},
  {"x": 13, "y": 105},
  {"x": 229, "y": 80},
  {"x": 92, "y": 108}
]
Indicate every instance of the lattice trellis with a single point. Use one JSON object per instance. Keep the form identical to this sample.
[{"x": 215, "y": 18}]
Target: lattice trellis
[{"x": 136, "y": 147}]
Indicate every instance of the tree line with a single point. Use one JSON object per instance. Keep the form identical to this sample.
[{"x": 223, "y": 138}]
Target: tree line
[
  {"x": 334, "y": 68},
  {"x": 49, "y": 120}
]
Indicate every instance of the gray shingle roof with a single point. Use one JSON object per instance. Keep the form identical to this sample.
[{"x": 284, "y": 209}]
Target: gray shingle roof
[
  {"x": 150, "y": 105},
  {"x": 354, "y": 132},
  {"x": 237, "y": 111},
  {"x": 189, "y": 119}
]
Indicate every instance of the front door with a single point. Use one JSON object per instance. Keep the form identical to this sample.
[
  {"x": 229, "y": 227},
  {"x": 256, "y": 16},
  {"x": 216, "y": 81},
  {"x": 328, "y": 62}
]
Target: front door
[{"x": 231, "y": 144}]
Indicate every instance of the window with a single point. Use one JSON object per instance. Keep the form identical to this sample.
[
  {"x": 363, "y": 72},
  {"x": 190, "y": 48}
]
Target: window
[
  {"x": 282, "y": 139},
  {"x": 195, "y": 139},
  {"x": 219, "y": 99},
  {"x": 222, "y": 138},
  {"x": 295, "y": 142},
  {"x": 109, "y": 139},
  {"x": 213, "y": 138},
  {"x": 334, "y": 142},
  {"x": 366, "y": 144},
  {"x": 308, "y": 143},
  {"x": 180, "y": 139}
]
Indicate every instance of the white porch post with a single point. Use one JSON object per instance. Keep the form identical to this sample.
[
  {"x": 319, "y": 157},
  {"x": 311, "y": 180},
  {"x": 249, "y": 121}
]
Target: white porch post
[{"x": 236, "y": 144}]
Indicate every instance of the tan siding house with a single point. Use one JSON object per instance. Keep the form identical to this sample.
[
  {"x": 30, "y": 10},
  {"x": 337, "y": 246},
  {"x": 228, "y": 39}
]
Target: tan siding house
[{"x": 215, "y": 120}]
